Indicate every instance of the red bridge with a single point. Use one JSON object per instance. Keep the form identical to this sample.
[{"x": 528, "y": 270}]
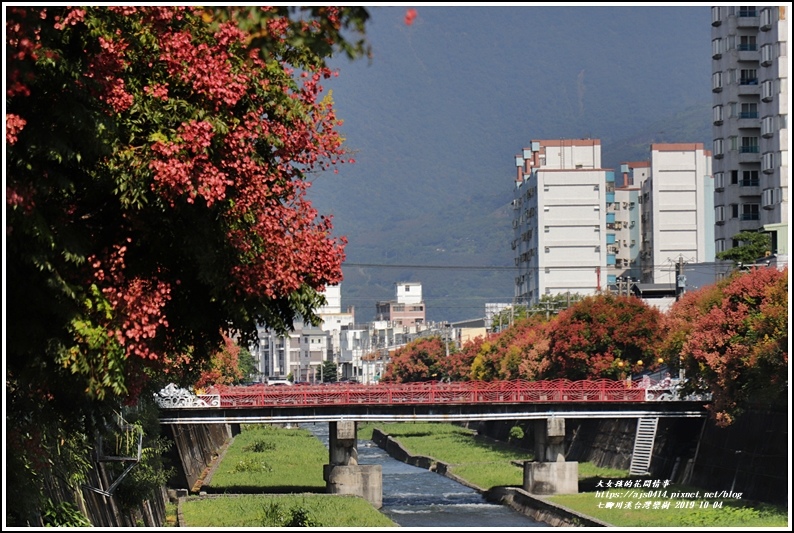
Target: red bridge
[{"x": 464, "y": 400}]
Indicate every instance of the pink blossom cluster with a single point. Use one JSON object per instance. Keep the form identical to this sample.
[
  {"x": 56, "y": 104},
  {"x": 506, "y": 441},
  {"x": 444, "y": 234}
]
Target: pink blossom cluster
[
  {"x": 184, "y": 167},
  {"x": 138, "y": 303},
  {"x": 106, "y": 68},
  {"x": 14, "y": 124},
  {"x": 206, "y": 68},
  {"x": 156, "y": 90}
]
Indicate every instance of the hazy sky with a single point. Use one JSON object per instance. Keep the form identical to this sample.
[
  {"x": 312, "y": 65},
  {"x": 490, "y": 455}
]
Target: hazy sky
[{"x": 437, "y": 116}]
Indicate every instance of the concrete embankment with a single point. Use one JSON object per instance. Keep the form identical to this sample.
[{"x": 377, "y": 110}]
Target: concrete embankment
[{"x": 536, "y": 507}]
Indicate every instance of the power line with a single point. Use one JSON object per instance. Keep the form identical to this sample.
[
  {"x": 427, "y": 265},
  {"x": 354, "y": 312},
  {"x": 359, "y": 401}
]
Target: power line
[
  {"x": 663, "y": 267},
  {"x": 430, "y": 267}
]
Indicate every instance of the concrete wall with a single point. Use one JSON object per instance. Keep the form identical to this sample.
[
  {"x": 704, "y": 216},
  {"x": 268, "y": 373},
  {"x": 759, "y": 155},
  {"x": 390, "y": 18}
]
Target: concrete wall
[
  {"x": 102, "y": 510},
  {"x": 762, "y": 468},
  {"x": 194, "y": 447},
  {"x": 686, "y": 450}
]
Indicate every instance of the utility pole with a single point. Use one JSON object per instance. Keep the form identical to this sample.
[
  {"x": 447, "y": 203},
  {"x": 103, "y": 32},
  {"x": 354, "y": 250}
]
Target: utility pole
[{"x": 680, "y": 278}]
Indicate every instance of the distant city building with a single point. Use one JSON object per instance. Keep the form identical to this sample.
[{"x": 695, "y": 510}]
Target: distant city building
[
  {"x": 576, "y": 232},
  {"x": 559, "y": 223},
  {"x": 627, "y": 224},
  {"x": 302, "y": 352},
  {"x": 678, "y": 210},
  {"x": 750, "y": 123},
  {"x": 408, "y": 308}
]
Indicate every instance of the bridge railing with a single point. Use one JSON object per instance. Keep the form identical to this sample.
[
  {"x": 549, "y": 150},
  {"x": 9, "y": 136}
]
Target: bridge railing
[
  {"x": 463, "y": 392},
  {"x": 468, "y": 392}
]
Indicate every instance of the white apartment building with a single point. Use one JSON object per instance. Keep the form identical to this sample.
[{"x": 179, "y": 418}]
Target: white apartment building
[
  {"x": 677, "y": 211},
  {"x": 559, "y": 223},
  {"x": 627, "y": 224},
  {"x": 302, "y": 352},
  {"x": 407, "y": 310},
  {"x": 576, "y": 232},
  {"x": 750, "y": 122}
]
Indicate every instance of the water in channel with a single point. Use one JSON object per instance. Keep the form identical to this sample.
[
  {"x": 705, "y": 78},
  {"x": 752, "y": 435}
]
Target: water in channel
[{"x": 415, "y": 497}]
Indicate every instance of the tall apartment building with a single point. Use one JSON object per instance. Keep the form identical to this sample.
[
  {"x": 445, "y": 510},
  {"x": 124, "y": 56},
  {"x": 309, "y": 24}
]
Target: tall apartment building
[
  {"x": 559, "y": 223},
  {"x": 576, "y": 232},
  {"x": 677, "y": 214},
  {"x": 627, "y": 224},
  {"x": 750, "y": 117}
]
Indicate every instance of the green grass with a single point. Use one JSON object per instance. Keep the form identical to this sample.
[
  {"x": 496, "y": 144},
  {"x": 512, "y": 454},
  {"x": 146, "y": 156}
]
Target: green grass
[
  {"x": 276, "y": 510},
  {"x": 271, "y": 459},
  {"x": 487, "y": 464},
  {"x": 673, "y": 512},
  {"x": 264, "y": 459},
  {"x": 481, "y": 461}
]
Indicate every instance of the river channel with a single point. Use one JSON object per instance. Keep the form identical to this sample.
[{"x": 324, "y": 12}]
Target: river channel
[{"x": 415, "y": 497}]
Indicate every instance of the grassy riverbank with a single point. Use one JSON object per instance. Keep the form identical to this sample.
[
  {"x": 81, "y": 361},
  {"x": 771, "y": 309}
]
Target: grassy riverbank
[
  {"x": 264, "y": 459},
  {"x": 277, "y": 476},
  {"x": 487, "y": 463}
]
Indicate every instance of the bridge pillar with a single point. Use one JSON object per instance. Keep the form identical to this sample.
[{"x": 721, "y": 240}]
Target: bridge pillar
[
  {"x": 343, "y": 474},
  {"x": 550, "y": 473}
]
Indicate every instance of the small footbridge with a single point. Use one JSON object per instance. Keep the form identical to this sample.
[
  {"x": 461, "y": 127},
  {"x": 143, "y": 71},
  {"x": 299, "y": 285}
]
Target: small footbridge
[{"x": 342, "y": 406}]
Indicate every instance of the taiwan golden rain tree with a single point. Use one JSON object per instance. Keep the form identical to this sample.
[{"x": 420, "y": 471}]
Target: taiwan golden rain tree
[
  {"x": 731, "y": 340},
  {"x": 156, "y": 164}
]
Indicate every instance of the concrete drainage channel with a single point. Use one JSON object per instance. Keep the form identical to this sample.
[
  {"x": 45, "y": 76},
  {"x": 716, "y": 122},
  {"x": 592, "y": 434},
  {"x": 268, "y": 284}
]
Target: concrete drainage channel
[{"x": 535, "y": 507}]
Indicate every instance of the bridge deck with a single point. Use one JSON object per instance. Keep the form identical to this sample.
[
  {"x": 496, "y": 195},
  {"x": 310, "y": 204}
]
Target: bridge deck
[{"x": 432, "y": 401}]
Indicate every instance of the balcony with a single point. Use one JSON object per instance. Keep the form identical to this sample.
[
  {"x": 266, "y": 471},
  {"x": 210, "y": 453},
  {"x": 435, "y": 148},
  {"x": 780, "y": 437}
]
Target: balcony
[
  {"x": 748, "y": 88},
  {"x": 748, "y": 18},
  {"x": 748, "y": 114},
  {"x": 749, "y": 149}
]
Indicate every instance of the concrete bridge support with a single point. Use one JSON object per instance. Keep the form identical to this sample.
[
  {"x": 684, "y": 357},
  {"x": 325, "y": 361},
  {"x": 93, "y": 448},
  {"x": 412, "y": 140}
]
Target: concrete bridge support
[
  {"x": 550, "y": 473},
  {"x": 343, "y": 474}
]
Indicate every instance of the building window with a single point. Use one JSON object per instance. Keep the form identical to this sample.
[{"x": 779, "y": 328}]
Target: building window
[
  {"x": 749, "y": 110},
  {"x": 734, "y": 210},
  {"x": 767, "y": 126},
  {"x": 768, "y": 162},
  {"x": 719, "y": 214},
  {"x": 733, "y": 143},
  {"x": 715, "y": 16},
  {"x": 766, "y": 18},
  {"x": 748, "y": 76},
  {"x": 749, "y": 145},
  {"x": 767, "y": 90},
  {"x": 747, "y": 43},
  {"x": 747, "y": 11},
  {"x": 717, "y": 111},
  {"x": 767, "y": 55},
  {"x": 719, "y": 149},
  {"x": 716, "y": 82},
  {"x": 770, "y": 197},
  {"x": 749, "y": 178},
  {"x": 716, "y": 48},
  {"x": 750, "y": 211},
  {"x": 719, "y": 181},
  {"x": 734, "y": 177}
]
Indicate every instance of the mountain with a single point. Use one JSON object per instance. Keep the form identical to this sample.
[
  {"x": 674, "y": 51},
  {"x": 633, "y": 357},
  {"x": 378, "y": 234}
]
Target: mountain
[{"x": 435, "y": 120}]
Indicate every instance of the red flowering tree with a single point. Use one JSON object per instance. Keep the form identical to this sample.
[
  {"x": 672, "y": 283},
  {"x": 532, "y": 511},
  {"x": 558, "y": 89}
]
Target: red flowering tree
[
  {"x": 419, "y": 360},
  {"x": 457, "y": 367},
  {"x": 155, "y": 195},
  {"x": 603, "y": 336},
  {"x": 502, "y": 354},
  {"x": 224, "y": 367},
  {"x": 731, "y": 339}
]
